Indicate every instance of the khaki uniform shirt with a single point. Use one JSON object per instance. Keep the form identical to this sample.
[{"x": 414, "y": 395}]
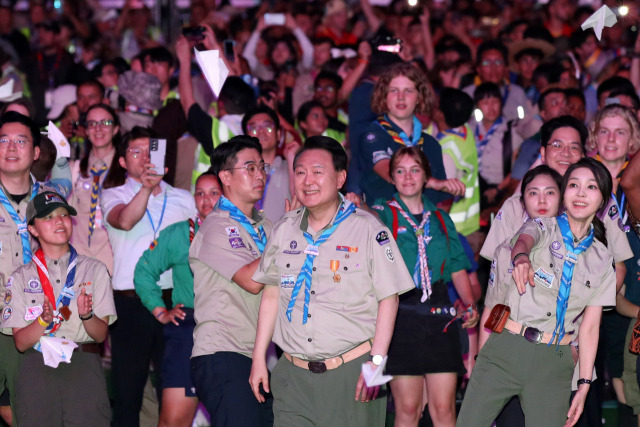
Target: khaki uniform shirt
[
  {"x": 10, "y": 241},
  {"x": 81, "y": 200},
  {"x": 25, "y": 295},
  {"x": 593, "y": 282},
  {"x": 226, "y": 315},
  {"x": 342, "y": 314},
  {"x": 512, "y": 215},
  {"x": 499, "y": 276}
]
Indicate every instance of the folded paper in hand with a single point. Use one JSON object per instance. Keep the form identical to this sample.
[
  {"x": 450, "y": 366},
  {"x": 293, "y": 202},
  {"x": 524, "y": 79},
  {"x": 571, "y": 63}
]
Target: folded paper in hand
[
  {"x": 6, "y": 92},
  {"x": 603, "y": 17},
  {"x": 374, "y": 377},
  {"x": 213, "y": 68},
  {"x": 56, "y": 350},
  {"x": 59, "y": 140}
]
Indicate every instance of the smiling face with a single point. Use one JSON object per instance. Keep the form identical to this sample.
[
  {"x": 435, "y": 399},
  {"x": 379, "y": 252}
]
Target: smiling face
[
  {"x": 613, "y": 139},
  {"x": 52, "y": 230},
  {"x": 402, "y": 98},
  {"x": 582, "y": 197},
  {"x": 408, "y": 176},
  {"x": 262, "y": 127},
  {"x": 563, "y": 149},
  {"x": 99, "y": 134},
  {"x": 316, "y": 180},
  {"x": 315, "y": 123},
  {"x": 208, "y": 191},
  {"x": 16, "y": 158},
  {"x": 541, "y": 197}
]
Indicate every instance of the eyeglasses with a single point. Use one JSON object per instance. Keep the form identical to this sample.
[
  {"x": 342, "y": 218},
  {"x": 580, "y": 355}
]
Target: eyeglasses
[
  {"x": 254, "y": 129},
  {"x": 496, "y": 62},
  {"x": 573, "y": 148},
  {"x": 92, "y": 124},
  {"x": 253, "y": 168},
  {"x": 20, "y": 142},
  {"x": 329, "y": 89},
  {"x": 137, "y": 152}
]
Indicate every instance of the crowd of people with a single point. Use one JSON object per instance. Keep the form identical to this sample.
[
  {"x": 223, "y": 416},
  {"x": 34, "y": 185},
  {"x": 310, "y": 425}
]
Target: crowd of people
[{"x": 445, "y": 192}]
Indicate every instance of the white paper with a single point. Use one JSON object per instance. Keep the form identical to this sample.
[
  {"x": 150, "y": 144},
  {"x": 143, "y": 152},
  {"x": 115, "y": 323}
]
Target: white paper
[
  {"x": 6, "y": 92},
  {"x": 603, "y": 17},
  {"x": 56, "y": 350},
  {"x": 59, "y": 140},
  {"x": 375, "y": 377},
  {"x": 213, "y": 68}
]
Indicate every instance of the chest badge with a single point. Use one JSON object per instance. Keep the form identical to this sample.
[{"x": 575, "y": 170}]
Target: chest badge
[{"x": 334, "y": 265}]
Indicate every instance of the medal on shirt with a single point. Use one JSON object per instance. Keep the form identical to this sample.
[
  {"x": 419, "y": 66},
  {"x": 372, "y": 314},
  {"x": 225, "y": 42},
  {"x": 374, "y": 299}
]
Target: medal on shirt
[{"x": 334, "y": 265}]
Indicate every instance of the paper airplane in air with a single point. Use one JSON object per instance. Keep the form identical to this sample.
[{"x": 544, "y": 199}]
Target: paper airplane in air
[
  {"x": 213, "y": 68},
  {"x": 603, "y": 17},
  {"x": 7, "y": 94},
  {"x": 59, "y": 140}
]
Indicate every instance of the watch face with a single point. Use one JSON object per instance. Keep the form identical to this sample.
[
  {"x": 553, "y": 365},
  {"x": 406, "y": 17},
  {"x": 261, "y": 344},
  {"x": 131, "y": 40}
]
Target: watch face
[{"x": 377, "y": 360}]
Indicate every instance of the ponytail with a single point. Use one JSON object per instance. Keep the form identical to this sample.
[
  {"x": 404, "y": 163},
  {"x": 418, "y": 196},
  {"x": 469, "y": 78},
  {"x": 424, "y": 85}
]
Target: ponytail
[{"x": 599, "y": 231}]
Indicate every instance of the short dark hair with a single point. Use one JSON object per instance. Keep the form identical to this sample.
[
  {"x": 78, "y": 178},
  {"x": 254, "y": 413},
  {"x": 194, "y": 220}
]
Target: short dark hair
[
  {"x": 487, "y": 90},
  {"x": 14, "y": 117},
  {"x": 207, "y": 173},
  {"x": 260, "y": 109},
  {"x": 539, "y": 170},
  {"x": 329, "y": 145},
  {"x": 158, "y": 54},
  {"x": 572, "y": 92},
  {"x": 326, "y": 75},
  {"x": 225, "y": 156},
  {"x": 550, "y": 71},
  {"x": 546, "y": 93},
  {"x": 630, "y": 93},
  {"x": 306, "y": 108},
  {"x": 236, "y": 95},
  {"x": 492, "y": 45},
  {"x": 614, "y": 83},
  {"x": 136, "y": 132},
  {"x": 578, "y": 37},
  {"x": 25, "y": 102},
  {"x": 95, "y": 83},
  {"x": 456, "y": 106},
  {"x": 566, "y": 121}
]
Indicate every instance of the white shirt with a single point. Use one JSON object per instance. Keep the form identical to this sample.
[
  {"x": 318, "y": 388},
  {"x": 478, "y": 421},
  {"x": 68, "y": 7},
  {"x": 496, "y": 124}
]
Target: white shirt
[{"x": 128, "y": 246}]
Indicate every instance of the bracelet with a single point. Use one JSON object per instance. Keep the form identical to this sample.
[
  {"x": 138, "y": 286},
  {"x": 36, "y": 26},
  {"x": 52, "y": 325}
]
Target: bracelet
[
  {"x": 160, "y": 314},
  {"x": 86, "y": 316},
  {"x": 42, "y": 322},
  {"x": 362, "y": 61},
  {"x": 584, "y": 381},
  {"x": 513, "y": 261}
]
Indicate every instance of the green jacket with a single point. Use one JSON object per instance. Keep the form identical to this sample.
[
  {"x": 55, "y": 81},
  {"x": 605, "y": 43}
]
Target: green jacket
[{"x": 170, "y": 251}]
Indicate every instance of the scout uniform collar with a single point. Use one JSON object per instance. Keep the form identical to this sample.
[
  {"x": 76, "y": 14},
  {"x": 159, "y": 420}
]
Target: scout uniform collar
[
  {"x": 400, "y": 136},
  {"x": 106, "y": 160},
  {"x": 21, "y": 223},
  {"x": 304, "y": 221},
  {"x": 426, "y": 203},
  {"x": 252, "y": 226}
]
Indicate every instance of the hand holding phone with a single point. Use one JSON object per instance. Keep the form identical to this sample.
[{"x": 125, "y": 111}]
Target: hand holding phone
[
  {"x": 157, "y": 152},
  {"x": 274, "y": 18}
]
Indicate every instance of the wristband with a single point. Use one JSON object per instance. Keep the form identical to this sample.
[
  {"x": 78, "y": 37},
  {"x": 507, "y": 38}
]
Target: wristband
[
  {"x": 584, "y": 381},
  {"x": 42, "y": 322},
  {"x": 362, "y": 61},
  {"x": 513, "y": 261},
  {"x": 160, "y": 314},
  {"x": 86, "y": 316}
]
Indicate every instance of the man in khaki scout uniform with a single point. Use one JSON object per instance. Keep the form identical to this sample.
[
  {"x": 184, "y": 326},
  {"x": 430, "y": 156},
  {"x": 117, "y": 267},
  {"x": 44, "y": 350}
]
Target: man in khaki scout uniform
[
  {"x": 563, "y": 143},
  {"x": 19, "y": 148},
  {"x": 73, "y": 393},
  {"x": 223, "y": 256},
  {"x": 332, "y": 282}
]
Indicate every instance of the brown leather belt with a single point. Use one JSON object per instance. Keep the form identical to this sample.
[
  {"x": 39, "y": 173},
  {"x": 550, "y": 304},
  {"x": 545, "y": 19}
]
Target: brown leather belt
[
  {"x": 131, "y": 293},
  {"x": 321, "y": 366},
  {"x": 89, "y": 347},
  {"x": 534, "y": 335}
]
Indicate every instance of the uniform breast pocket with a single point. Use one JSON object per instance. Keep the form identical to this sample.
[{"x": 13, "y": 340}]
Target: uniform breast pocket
[
  {"x": 289, "y": 268},
  {"x": 347, "y": 281}
]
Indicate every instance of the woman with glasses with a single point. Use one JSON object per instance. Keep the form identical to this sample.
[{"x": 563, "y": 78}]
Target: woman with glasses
[
  {"x": 89, "y": 175},
  {"x": 402, "y": 92}
]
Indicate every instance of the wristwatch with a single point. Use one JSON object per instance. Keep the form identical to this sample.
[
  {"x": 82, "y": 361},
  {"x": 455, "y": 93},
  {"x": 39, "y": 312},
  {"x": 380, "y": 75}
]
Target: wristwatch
[
  {"x": 376, "y": 359},
  {"x": 584, "y": 381},
  {"x": 87, "y": 316}
]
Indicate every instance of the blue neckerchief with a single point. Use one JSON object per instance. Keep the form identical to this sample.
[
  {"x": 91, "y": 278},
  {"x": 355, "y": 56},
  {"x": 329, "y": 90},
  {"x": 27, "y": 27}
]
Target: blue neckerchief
[
  {"x": 444, "y": 133},
  {"x": 571, "y": 258},
  {"x": 312, "y": 252},
  {"x": 417, "y": 132},
  {"x": 482, "y": 141},
  {"x": 237, "y": 215},
  {"x": 21, "y": 223}
]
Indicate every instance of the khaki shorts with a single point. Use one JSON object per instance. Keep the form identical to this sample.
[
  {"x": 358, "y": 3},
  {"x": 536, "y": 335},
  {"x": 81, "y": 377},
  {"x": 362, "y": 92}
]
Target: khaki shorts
[{"x": 629, "y": 379}]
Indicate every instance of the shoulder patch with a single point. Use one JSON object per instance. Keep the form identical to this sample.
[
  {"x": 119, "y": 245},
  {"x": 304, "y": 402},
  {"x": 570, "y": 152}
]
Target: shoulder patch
[
  {"x": 6, "y": 313},
  {"x": 389, "y": 253},
  {"x": 380, "y": 155},
  {"x": 499, "y": 215},
  {"x": 370, "y": 136},
  {"x": 382, "y": 238},
  {"x": 613, "y": 211},
  {"x": 540, "y": 223},
  {"x": 377, "y": 207}
]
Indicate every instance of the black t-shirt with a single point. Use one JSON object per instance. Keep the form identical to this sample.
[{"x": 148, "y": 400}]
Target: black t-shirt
[{"x": 199, "y": 125}]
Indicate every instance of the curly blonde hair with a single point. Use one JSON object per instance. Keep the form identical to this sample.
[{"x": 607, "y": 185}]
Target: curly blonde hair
[
  {"x": 413, "y": 73},
  {"x": 615, "y": 110}
]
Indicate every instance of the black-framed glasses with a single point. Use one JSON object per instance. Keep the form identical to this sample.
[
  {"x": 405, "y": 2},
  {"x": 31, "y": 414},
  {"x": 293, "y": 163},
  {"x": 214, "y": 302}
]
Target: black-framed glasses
[
  {"x": 253, "y": 168},
  {"x": 92, "y": 124}
]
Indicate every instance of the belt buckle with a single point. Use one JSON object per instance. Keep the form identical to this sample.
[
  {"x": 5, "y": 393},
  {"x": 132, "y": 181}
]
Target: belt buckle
[
  {"x": 533, "y": 335},
  {"x": 317, "y": 367}
]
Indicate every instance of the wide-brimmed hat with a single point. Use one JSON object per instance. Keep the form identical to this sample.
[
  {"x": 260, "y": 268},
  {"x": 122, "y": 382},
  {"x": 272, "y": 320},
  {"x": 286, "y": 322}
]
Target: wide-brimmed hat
[{"x": 516, "y": 47}]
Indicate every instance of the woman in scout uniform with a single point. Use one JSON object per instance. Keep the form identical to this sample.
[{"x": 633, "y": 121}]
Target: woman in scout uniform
[
  {"x": 179, "y": 401},
  {"x": 89, "y": 173},
  {"x": 614, "y": 134},
  {"x": 64, "y": 295},
  {"x": 402, "y": 92},
  {"x": 423, "y": 348},
  {"x": 540, "y": 197},
  {"x": 562, "y": 277}
]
